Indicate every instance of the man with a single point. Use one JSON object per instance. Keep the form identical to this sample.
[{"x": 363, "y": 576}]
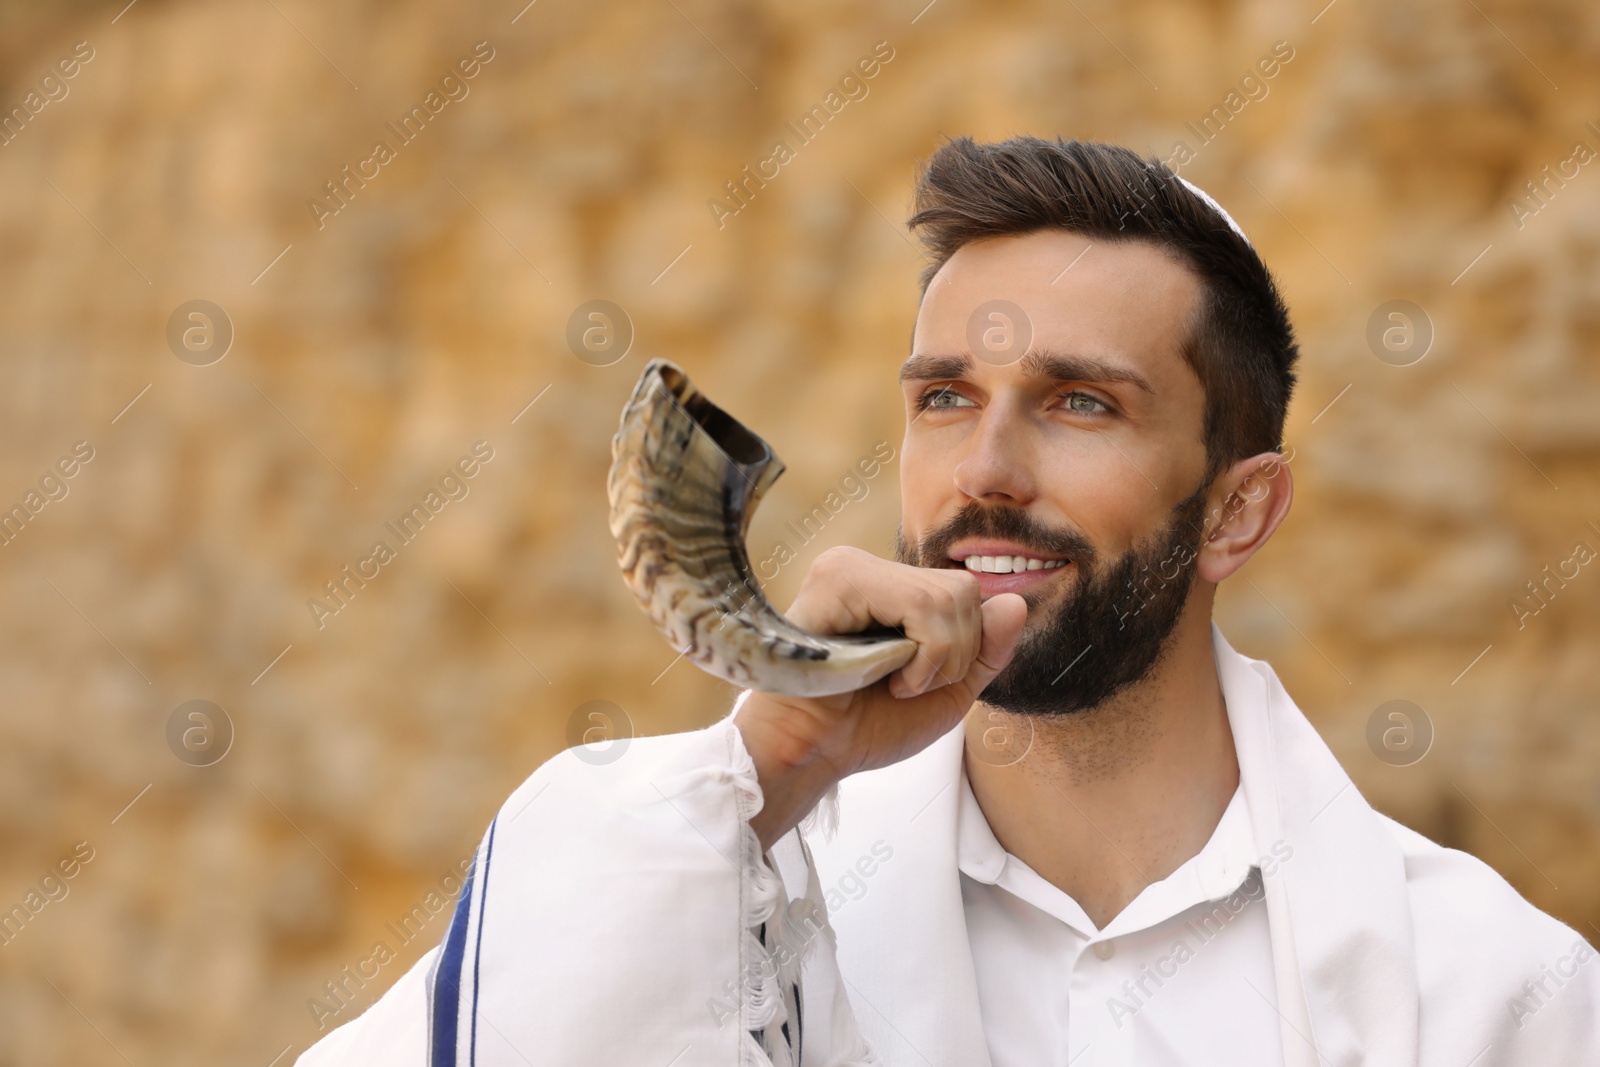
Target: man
[{"x": 1132, "y": 849}]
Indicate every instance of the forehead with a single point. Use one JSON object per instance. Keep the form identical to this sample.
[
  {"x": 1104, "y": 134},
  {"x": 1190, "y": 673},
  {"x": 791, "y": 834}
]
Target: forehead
[{"x": 1127, "y": 302}]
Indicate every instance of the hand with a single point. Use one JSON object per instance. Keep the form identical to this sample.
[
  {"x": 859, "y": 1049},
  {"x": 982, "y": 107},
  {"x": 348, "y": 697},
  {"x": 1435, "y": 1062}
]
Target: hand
[{"x": 801, "y": 746}]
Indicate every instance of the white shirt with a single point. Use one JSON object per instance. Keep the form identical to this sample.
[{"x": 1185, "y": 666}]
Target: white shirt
[{"x": 1182, "y": 975}]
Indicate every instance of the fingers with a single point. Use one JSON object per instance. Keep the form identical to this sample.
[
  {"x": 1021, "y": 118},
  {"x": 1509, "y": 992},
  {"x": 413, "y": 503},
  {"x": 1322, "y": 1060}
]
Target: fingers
[
  {"x": 944, "y": 617},
  {"x": 847, "y": 589},
  {"x": 983, "y": 651},
  {"x": 962, "y": 642},
  {"x": 1003, "y": 619}
]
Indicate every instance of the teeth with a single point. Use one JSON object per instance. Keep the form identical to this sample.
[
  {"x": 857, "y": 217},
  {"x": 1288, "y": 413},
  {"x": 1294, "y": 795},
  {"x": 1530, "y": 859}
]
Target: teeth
[{"x": 1010, "y": 564}]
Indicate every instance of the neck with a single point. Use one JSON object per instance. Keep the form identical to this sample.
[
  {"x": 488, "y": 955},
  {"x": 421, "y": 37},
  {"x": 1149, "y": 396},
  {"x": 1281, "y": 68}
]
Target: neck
[{"x": 1108, "y": 800}]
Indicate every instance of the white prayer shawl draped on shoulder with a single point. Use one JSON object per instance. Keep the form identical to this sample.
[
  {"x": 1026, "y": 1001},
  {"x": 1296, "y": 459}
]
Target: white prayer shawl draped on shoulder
[{"x": 622, "y": 914}]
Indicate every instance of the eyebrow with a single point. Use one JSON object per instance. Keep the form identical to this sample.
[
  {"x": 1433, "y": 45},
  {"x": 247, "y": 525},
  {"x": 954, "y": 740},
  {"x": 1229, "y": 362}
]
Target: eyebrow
[{"x": 1056, "y": 366}]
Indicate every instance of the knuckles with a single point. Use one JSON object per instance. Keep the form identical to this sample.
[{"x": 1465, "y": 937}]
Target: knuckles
[
  {"x": 837, "y": 562},
  {"x": 924, "y": 594}
]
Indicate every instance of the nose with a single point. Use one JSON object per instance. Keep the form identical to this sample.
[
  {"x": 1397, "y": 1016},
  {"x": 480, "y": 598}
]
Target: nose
[{"x": 998, "y": 467}]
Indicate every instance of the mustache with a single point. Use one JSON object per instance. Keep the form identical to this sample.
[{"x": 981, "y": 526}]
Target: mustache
[{"x": 1003, "y": 523}]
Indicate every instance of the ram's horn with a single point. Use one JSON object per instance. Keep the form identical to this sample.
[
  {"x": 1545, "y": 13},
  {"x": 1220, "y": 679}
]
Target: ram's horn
[{"x": 685, "y": 479}]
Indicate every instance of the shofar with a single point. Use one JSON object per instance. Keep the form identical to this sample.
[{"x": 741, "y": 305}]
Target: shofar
[{"x": 685, "y": 479}]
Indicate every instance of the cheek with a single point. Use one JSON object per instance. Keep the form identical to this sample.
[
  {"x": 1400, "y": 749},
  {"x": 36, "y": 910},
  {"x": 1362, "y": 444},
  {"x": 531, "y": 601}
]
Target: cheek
[
  {"x": 926, "y": 483},
  {"x": 1104, "y": 498},
  {"x": 1121, "y": 490}
]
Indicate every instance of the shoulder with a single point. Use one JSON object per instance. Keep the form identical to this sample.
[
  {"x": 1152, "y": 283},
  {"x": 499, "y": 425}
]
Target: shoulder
[
  {"x": 637, "y": 800},
  {"x": 1489, "y": 961},
  {"x": 623, "y": 769},
  {"x": 1451, "y": 890}
]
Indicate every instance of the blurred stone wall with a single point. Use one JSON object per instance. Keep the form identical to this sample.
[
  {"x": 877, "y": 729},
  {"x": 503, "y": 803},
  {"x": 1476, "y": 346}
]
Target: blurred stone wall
[{"x": 239, "y": 861}]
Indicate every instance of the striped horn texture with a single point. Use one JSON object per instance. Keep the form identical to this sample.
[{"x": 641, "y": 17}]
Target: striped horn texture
[{"x": 685, "y": 479}]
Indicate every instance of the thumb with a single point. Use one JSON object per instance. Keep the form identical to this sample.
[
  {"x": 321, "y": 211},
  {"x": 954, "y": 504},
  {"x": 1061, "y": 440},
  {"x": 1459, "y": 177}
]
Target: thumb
[{"x": 1003, "y": 618}]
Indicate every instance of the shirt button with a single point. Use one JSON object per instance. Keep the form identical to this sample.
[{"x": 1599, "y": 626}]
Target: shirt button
[{"x": 1104, "y": 949}]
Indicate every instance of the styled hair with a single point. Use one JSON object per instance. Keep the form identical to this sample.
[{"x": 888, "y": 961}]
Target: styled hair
[{"x": 1240, "y": 343}]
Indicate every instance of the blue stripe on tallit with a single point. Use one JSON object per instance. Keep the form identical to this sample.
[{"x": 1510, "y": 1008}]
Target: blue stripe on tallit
[
  {"x": 477, "y": 949},
  {"x": 799, "y": 1026},
  {"x": 447, "y": 978}
]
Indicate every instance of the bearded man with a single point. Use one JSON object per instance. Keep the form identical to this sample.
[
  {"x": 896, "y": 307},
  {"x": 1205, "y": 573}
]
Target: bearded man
[{"x": 1077, "y": 828}]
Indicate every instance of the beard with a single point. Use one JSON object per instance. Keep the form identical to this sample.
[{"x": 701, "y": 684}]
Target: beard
[{"x": 1107, "y": 632}]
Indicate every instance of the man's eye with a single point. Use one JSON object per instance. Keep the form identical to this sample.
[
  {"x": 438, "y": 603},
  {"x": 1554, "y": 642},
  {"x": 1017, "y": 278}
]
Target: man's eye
[
  {"x": 1084, "y": 404},
  {"x": 940, "y": 397}
]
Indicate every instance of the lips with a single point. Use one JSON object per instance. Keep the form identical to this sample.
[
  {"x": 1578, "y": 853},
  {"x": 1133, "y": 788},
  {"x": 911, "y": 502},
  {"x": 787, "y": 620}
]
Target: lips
[{"x": 1006, "y": 567}]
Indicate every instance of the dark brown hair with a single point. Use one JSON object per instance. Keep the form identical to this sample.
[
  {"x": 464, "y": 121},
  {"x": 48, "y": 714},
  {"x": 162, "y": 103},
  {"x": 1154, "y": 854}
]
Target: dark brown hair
[{"x": 1240, "y": 343}]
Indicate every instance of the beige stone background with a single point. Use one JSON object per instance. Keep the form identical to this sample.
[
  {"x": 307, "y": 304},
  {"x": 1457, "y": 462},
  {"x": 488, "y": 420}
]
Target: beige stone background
[{"x": 370, "y": 755}]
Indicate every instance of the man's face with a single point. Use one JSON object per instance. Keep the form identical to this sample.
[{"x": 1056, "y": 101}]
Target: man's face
[{"x": 1085, "y": 455}]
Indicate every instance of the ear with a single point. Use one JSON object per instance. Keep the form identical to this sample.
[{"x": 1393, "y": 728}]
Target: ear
[{"x": 1249, "y": 500}]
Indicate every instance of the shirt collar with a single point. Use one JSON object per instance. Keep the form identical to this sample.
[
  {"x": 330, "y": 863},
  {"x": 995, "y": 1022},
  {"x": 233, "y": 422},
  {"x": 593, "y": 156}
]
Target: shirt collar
[{"x": 1220, "y": 868}]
